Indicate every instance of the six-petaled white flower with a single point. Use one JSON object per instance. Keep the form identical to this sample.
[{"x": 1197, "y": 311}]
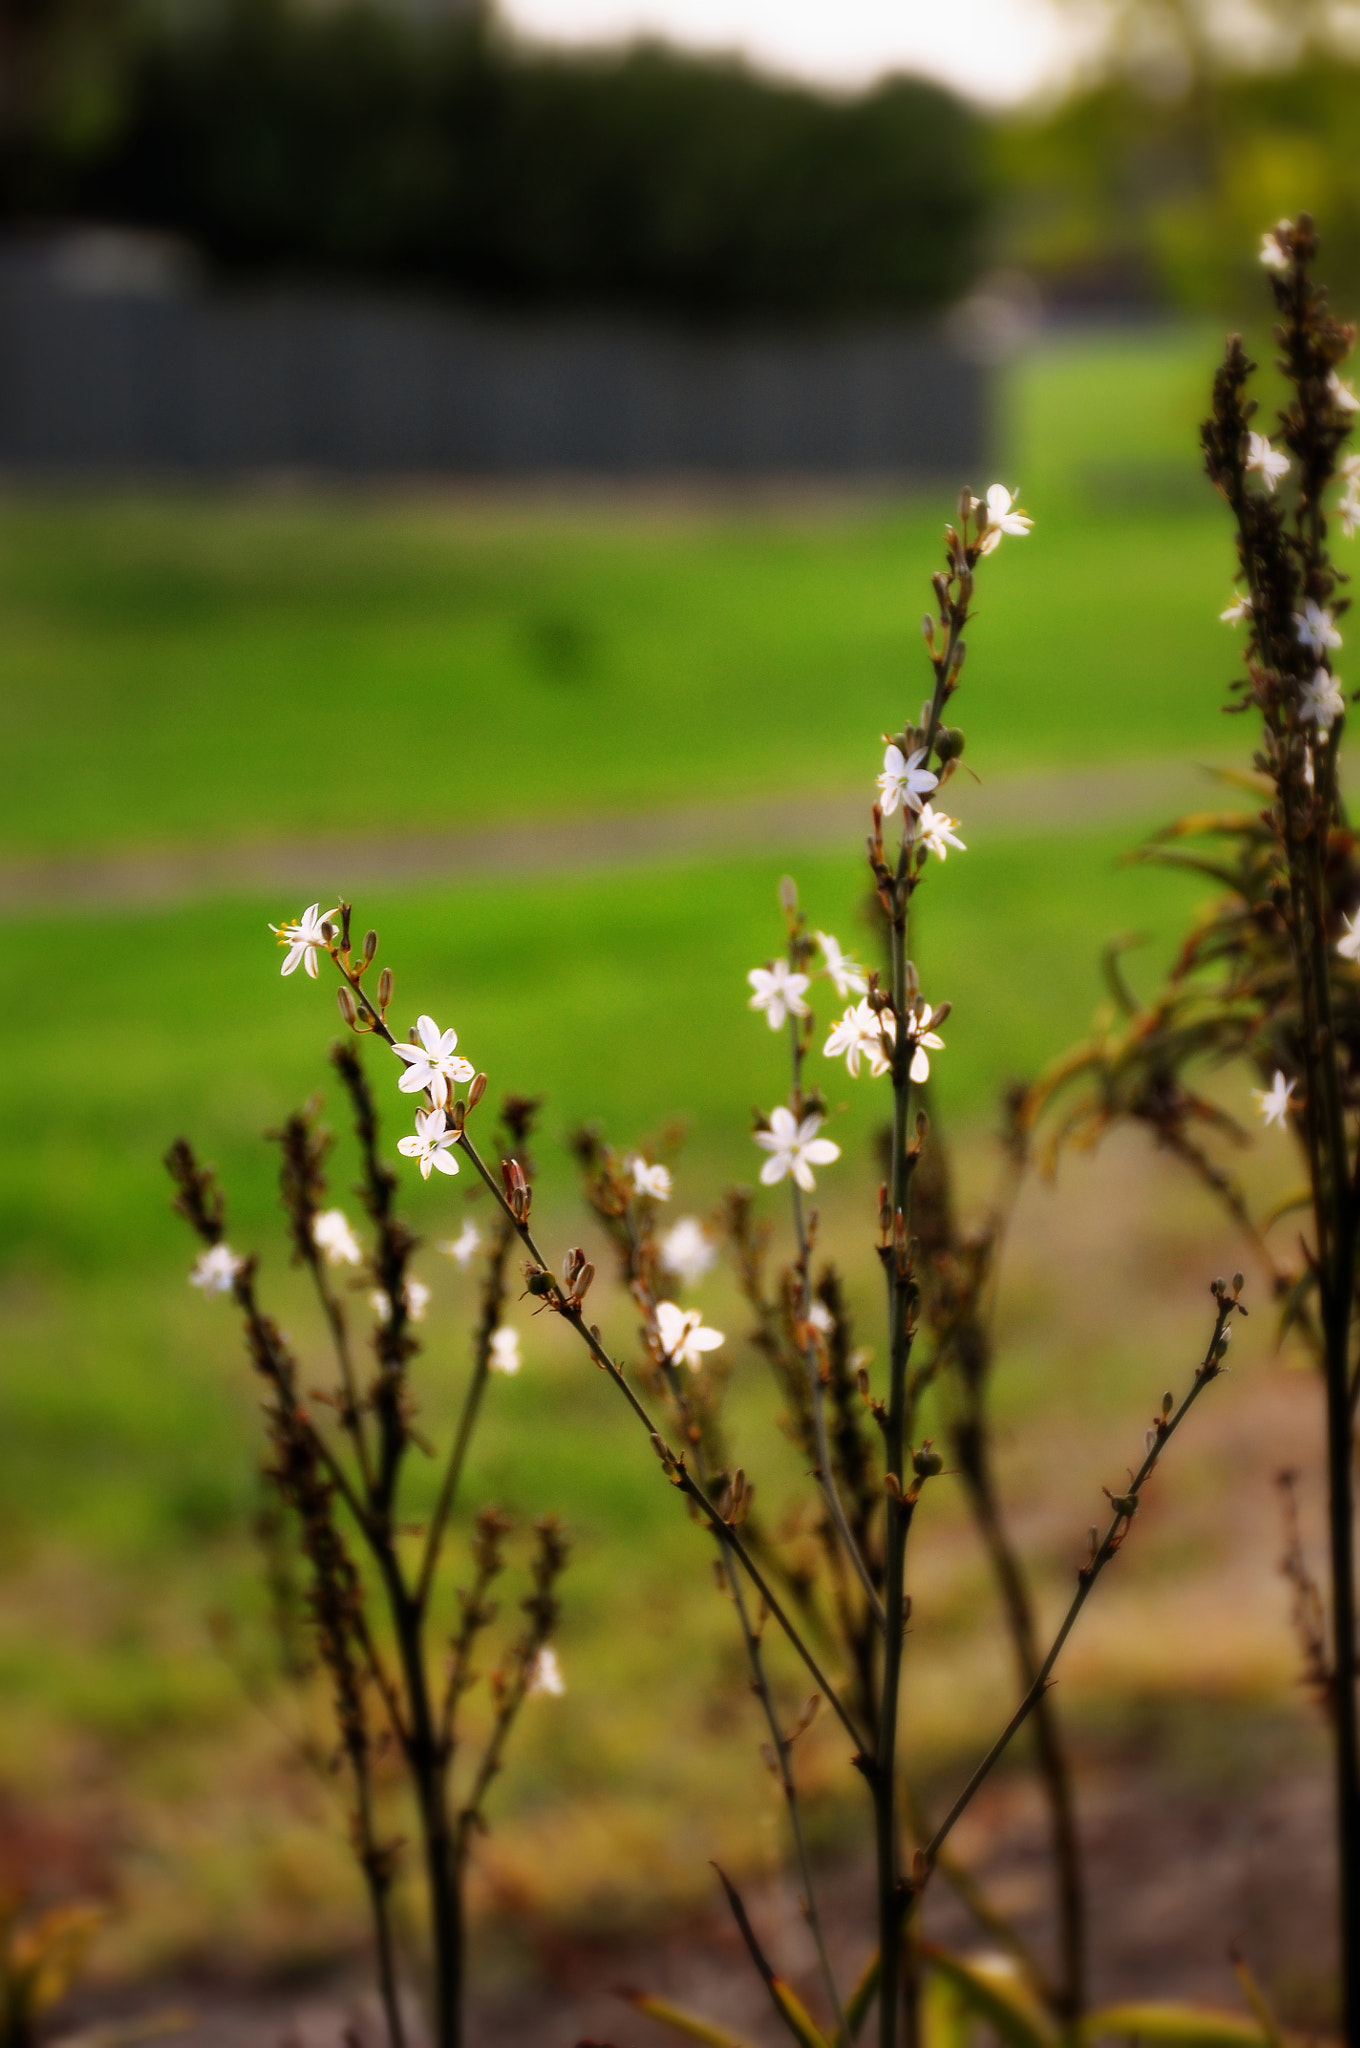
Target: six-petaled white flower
[
  {"x": 332, "y": 1235},
  {"x": 415, "y": 1294},
  {"x": 682, "y": 1336},
  {"x": 859, "y": 1035},
  {"x": 921, "y": 1036},
  {"x": 1315, "y": 628},
  {"x": 794, "y": 1147},
  {"x": 935, "y": 831},
  {"x": 1321, "y": 702},
  {"x": 433, "y": 1063},
  {"x": 430, "y": 1143},
  {"x": 686, "y": 1250},
  {"x": 904, "y": 781},
  {"x": 1343, "y": 398},
  {"x": 461, "y": 1248},
  {"x": 1348, "y": 945},
  {"x": 1273, "y": 1102},
  {"x": 1003, "y": 516},
  {"x": 215, "y": 1270},
  {"x": 545, "y": 1676},
  {"x": 304, "y": 939},
  {"x": 1272, "y": 255},
  {"x": 847, "y": 976},
  {"x": 504, "y": 1352},
  {"x": 778, "y": 992},
  {"x": 1239, "y": 609},
  {"x": 654, "y": 1181},
  {"x": 1267, "y": 461}
]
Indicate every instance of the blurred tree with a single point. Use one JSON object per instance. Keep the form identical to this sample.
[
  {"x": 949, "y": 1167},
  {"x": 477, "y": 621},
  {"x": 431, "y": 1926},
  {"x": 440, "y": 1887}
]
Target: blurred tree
[{"x": 376, "y": 141}]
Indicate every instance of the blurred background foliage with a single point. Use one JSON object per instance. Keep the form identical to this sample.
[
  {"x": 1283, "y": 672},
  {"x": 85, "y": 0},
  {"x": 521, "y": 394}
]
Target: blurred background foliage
[{"x": 368, "y": 140}]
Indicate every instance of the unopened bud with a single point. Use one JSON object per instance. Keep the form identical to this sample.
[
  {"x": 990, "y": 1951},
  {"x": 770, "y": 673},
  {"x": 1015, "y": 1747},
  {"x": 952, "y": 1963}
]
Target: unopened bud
[
  {"x": 476, "y": 1090},
  {"x": 928, "y": 630},
  {"x": 348, "y": 1008},
  {"x": 922, "y": 1123},
  {"x": 892, "y": 1486},
  {"x": 1168, "y": 1403},
  {"x": 1239, "y": 1282},
  {"x": 788, "y": 894},
  {"x": 1219, "y": 1286},
  {"x": 384, "y": 989},
  {"x": 370, "y": 946},
  {"x": 327, "y": 930},
  {"x": 583, "y": 1280}
]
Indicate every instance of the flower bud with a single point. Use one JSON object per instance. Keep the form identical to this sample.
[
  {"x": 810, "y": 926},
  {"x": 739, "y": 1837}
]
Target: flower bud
[
  {"x": 370, "y": 946},
  {"x": 928, "y": 629},
  {"x": 476, "y": 1090},
  {"x": 788, "y": 894},
  {"x": 345, "y": 1003},
  {"x": 1168, "y": 1403},
  {"x": 384, "y": 989},
  {"x": 1239, "y": 1282}
]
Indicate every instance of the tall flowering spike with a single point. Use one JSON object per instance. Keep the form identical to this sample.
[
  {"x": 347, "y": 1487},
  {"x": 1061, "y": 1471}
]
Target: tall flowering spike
[
  {"x": 1003, "y": 515},
  {"x": 304, "y": 939},
  {"x": 847, "y": 977},
  {"x": 332, "y": 1236},
  {"x": 1321, "y": 702},
  {"x": 434, "y": 1063},
  {"x": 778, "y": 992},
  {"x": 794, "y": 1147},
  {"x": 215, "y": 1270},
  {"x": 1273, "y": 1102},
  {"x": 859, "y": 1035},
  {"x": 1267, "y": 462},
  {"x": 682, "y": 1335},
  {"x": 686, "y": 1250},
  {"x": 431, "y": 1143},
  {"x": 904, "y": 781}
]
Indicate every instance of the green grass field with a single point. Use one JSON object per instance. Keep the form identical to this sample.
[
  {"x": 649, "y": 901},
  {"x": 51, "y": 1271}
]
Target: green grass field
[{"x": 212, "y": 668}]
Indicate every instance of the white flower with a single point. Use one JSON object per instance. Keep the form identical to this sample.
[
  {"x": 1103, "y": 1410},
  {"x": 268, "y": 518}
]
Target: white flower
[
  {"x": 821, "y": 1318},
  {"x": 1002, "y": 517},
  {"x": 859, "y": 1035},
  {"x": 778, "y": 991},
  {"x": 1343, "y": 398},
  {"x": 686, "y": 1250},
  {"x": 1272, "y": 255},
  {"x": 415, "y": 1294},
  {"x": 1273, "y": 1102},
  {"x": 847, "y": 976},
  {"x": 1261, "y": 456},
  {"x": 431, "y": 1142},
  {"x": 545, "y": 1675},
  {"x": 1349, "y": 510},
  {"x": 462, "y": 1247},
  {"x": 433, "y": 1063},
  {"x": 1239, "y": 609},
  {"x": 904, "y": 781},
  {"x": 332, "y": 1235},
  {"x": 1348, "y": 945},
  {"x": 504, "y": 1354},
  {"x": 936, "y": 832},
  {"x": 1321, "y": 701},
  {"x": 650, "y": 1180},
  {"x": 918, "y": 1030},
  {"x": 682, "y": 1335},
  {"x": 215, "y": 1270},
  {"x": 304, "y": 938},
  {"x": 794, "y": 1148},
  {"x": 1315, "y": 628}
]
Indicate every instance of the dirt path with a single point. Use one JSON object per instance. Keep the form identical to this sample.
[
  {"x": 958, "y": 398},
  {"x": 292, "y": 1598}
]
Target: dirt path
[{"x": 1013, "y": 805}]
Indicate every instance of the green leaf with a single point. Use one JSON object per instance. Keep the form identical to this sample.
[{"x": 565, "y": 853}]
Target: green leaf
[
  {"x": 800, "y": 2022},
  {"x": 993, "y": 1989},
  {"x": 946, "y": 2021},
  {"x": 1176, "y": 2026},
  {"x": 682, "y": 2022}
]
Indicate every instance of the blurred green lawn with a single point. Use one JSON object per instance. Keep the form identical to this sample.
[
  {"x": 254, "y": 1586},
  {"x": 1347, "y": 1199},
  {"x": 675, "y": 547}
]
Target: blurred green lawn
[{"x": 215, "y": 667}]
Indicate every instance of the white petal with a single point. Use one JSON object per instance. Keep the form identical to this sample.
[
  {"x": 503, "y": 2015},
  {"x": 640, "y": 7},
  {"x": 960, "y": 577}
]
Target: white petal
[
  {"x": 445, "y": 1160},
  {"x": 821, "y": 1151},
  {"x": 429, "y": 1034},
  {"x": 775, "y": 1168}
]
